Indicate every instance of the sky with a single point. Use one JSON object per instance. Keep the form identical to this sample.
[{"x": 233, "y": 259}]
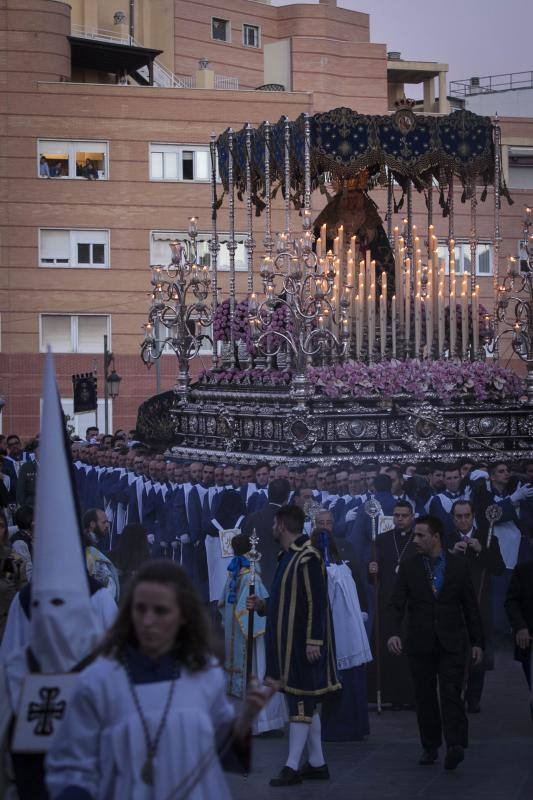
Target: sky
[{"x": 475, "y": 37}]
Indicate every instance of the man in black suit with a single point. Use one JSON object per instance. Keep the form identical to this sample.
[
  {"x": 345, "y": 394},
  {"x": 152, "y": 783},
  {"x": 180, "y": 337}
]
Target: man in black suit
[
  {"x": 436, "y": 589},
  {"x": 470, "y": 542},
  {"x": 519, "y": 607},
  {"x": 262, "y": 522}
]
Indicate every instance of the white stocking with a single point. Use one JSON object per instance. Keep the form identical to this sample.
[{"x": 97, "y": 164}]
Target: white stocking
[
  {"x": 298, "y": 733},
  {"x": 314, "y": 743}
]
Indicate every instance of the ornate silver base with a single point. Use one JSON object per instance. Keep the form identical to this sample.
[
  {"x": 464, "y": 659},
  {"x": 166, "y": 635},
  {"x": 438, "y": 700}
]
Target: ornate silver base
[{"x": 246, "y": 422}]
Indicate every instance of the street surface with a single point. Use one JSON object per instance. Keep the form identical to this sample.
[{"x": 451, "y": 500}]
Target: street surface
[{"x": 498, "y": 763}]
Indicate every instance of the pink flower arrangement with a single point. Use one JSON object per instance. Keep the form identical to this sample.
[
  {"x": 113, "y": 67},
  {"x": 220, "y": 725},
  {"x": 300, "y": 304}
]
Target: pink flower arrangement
[{"x": 448, "y": 380}]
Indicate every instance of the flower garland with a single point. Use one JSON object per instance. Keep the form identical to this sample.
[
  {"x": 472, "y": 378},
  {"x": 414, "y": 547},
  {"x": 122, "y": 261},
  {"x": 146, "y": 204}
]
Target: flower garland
[{"x": 449, "y": 380}]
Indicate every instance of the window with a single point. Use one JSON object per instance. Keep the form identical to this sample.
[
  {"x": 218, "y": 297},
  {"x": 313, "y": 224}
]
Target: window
[
  {"x": 173, "y": 162},
  {"x": 78, "y": 423},
  {"x": 462, "y": 257},
  {"x": 73, "y": 248},
  {"x": 521, "y": 167},
  {"x": 74, "y": 333},
  {"x": 250, "y": 36},
  {"x": 160, "y": 250},
  {"x": 220, "y": 29},
  {"x": 68, "y": 159}
]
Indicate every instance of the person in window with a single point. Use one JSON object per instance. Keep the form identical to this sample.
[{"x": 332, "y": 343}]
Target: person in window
[
  {"x": 89, "y": 171},
  {"x": 44, "y": 169},
  {"x": 56, "y": 170}
]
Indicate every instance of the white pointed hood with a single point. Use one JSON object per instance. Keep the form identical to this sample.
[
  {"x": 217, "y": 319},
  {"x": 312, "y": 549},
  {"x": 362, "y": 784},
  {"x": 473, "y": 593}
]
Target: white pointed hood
[{"x": 62, "y": 630}]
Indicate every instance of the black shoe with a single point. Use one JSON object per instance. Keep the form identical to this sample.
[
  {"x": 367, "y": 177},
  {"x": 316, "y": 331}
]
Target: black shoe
[
  {"x": 454, "y": 756},
  {"x": 473, "y": 708},
  {"x": 308, "y": 772},
  {"x": 287, "y": 777},
  {"x": 428, "y": 758}
]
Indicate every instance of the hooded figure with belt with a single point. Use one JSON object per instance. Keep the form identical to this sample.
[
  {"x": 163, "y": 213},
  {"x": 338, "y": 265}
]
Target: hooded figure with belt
[{"x": 36, "y": 680}]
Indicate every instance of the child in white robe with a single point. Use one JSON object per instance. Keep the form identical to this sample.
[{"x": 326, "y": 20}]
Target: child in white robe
[{"x": 232, "y": 607}]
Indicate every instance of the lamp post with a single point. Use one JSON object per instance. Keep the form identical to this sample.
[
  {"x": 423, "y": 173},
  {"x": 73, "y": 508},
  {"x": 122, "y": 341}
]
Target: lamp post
[
  {"x": 179, "y": 295},
  {"x": 514, "y": 306},
  {"x": 111, "y": 382}
]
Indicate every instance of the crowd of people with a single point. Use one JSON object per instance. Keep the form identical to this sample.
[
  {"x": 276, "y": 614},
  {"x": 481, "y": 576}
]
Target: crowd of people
[{"x": 354, "y": 604}]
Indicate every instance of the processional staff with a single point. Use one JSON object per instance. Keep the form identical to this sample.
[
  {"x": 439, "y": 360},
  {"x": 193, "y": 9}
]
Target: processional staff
[
  {"x": 493, "y": 514},
  {"x": 373, "y": 509},
  {"x": 253, "y": 557}
]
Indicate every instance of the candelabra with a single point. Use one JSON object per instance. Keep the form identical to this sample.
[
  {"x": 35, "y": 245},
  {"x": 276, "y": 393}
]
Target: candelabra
[
  {"x": 514, "y": 306},
  {"x": 316, "y": 310},
  {"x": 179, "y": 307}
]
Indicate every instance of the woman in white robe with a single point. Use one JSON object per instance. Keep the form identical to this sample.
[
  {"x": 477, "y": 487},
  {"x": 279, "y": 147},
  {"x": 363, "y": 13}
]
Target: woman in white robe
[{"x": 150, "y": 719}]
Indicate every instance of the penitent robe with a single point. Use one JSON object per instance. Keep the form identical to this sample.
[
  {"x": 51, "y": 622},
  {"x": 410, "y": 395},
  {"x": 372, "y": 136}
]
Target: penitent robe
[{"x": 102, "y": 747}]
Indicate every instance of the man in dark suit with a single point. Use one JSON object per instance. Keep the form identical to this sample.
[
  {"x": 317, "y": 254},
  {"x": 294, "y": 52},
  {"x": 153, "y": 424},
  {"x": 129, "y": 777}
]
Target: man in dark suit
[
  {"x": 519, "y": 607},
  {"x": 435, "y": 588},
  {"x": 262, "y": 522},
  {"x": 470, "y": 542}
]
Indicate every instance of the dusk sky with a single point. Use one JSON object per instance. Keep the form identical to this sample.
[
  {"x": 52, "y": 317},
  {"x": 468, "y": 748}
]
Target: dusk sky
[{"x": 475, "y": 37}]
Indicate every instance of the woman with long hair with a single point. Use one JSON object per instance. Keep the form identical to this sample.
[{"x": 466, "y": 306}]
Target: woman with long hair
[
  {"x": 131, "y": 552},
  {"x": 149, "y": 717}
]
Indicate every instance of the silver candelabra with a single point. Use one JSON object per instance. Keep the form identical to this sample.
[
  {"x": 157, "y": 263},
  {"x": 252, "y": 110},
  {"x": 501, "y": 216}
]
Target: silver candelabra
[
  {"x": 514, "y": 306},
  {"x": 306, "y": 289},
  {"x": 179, "y": 308}
]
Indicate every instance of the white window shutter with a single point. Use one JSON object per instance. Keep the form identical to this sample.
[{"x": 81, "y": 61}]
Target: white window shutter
[
  {"x": 91, "y": 331},
  {"x": 56, "y": 333}
]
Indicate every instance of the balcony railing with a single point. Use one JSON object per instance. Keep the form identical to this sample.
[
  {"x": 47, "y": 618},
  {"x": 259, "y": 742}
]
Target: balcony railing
[
  {"x": 163, "y": 77},
  {"x": 492, "y": 83}
]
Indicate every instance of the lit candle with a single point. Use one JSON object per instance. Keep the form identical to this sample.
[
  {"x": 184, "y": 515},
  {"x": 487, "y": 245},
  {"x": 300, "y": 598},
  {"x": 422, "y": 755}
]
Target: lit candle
[
  {"x": 319, "y": 248},
  {"x": 323, "y": 232},
  {"x": 453, "y": 316},
  {"x": 464, "y": 314},
  {"x": 429, "y": 323},
  {"x": 341, "y": 241},
  {"x": 371, "y": 328},
  {"x": 418, "y": 318},
  {"x": 475, "y": 321},
  {"x": 393, "y": 325},
  {"x": 441, "y": 320}
]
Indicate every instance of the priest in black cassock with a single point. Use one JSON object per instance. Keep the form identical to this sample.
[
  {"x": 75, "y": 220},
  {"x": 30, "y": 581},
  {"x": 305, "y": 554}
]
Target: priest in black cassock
[
  {"x": 392, "y": 548},
  {"x": 299, "y": 643},
  {"x": 470, "y": 542}
]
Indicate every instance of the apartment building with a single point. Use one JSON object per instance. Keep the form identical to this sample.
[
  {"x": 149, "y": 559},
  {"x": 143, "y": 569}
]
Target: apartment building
[{"x": 107, "y": 115}]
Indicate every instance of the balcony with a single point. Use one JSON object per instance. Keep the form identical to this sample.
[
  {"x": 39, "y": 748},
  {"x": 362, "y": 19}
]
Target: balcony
[
  {"x": 492, "y": 83},
  {"x": 124, "y": 56}
]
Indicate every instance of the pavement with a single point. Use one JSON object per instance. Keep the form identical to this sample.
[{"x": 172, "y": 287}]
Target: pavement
[{"x": 498, "y": 763}]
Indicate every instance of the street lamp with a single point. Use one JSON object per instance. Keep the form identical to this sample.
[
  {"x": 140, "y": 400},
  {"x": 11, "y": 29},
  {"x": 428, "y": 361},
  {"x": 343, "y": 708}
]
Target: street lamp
[{"x": 111, "y": 382}]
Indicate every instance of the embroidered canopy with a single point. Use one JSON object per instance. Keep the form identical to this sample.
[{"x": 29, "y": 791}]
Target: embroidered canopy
[{"x": 416, "y": 147}]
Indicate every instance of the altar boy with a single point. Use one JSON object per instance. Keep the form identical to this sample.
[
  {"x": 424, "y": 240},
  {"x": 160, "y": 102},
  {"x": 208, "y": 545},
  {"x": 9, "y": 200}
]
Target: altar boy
[{"x": 232, "y": 606}]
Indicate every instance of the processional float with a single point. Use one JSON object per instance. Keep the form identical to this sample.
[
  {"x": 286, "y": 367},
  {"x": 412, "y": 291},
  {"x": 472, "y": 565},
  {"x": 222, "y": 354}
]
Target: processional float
[{"x": 355, "y": 339}]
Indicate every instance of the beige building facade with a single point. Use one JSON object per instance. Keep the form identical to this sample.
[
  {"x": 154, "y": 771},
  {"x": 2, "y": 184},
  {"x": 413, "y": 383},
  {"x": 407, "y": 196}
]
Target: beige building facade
[{"x": 105, "y": 126}]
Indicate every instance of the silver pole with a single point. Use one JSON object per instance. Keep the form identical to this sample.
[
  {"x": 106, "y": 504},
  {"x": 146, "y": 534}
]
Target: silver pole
[
  {"x": 430, "y": 217},
  {"x": 158, "y": 362},
  {"x": 497, "y": 235},
  {"x": 307, "y": 163},
  {"x": 106, "y": 391},
  {"x": 267, "y": 239},
  {"x": 473, "y": 261},
  {"x": 214, "y": 245},
  {"x": 287, "y": 180},
  {"x": 389, "y": 207},
  {"x": 409, "y": 241},
  {"x": 250, "y": 244},
  {"x": 232, "y": 244}
]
